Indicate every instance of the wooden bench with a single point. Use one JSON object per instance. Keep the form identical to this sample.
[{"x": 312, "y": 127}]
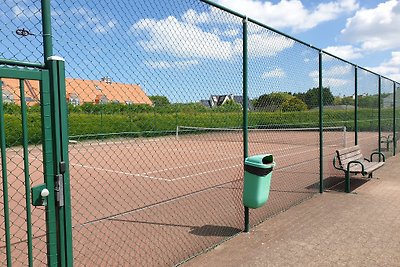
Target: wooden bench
[
  {"x": 351, "y": 161},
  {"x": 390, "y": 139}
]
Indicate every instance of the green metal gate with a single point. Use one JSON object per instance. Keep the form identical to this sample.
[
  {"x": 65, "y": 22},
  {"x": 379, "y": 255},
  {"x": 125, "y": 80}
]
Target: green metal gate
[{"x": 36, "y": 223}]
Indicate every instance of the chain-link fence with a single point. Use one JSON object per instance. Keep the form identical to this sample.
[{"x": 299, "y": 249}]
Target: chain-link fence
[
  {"x": 277, "y": 124},
  {"x": 164, "y": 103},
  {"x": 154, "y": 178}
]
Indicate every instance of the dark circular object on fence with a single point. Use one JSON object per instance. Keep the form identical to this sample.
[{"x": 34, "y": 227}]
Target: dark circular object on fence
[{"x": 23, "y": 32}]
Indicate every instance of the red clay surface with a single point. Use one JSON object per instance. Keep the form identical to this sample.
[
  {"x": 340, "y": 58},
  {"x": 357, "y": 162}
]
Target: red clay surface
[{"x": 158, "y": 201}]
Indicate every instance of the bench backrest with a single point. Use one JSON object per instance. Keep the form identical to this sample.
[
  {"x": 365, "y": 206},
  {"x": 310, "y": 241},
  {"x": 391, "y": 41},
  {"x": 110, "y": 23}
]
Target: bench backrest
[{"x": 348, "y": 154}]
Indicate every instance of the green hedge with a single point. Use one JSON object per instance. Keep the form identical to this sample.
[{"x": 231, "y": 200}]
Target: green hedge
[{"x": 153, "y": 123}]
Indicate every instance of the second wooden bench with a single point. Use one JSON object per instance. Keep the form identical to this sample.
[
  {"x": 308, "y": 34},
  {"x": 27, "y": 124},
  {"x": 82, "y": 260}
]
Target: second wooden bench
[{"x": 351, "y": 161}]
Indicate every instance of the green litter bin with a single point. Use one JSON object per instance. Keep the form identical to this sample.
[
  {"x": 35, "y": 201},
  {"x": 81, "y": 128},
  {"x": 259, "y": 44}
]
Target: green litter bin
[{"x": 257, "y": 180}]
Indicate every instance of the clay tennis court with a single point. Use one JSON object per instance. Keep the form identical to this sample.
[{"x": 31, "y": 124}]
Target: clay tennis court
[{"x": 154, "y": 201}]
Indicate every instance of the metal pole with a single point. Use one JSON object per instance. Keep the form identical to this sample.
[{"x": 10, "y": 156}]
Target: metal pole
[
  {"x": 47, "y": 93},
  {"x": 394, "y": 119},
  {"x": 379, "y": 114},
  {"x": 245, "y": 115},
  {"x": 6, "y": 207},
  {"x": 26, "y": 171},
  {"x": 355, "y": 105},
  {"x": 321, "y": 129},
  {"x": 46, "y": 28}
]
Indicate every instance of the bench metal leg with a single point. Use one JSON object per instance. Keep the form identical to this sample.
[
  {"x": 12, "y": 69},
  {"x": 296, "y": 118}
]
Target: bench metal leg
[{"x": 347, "y": 182}]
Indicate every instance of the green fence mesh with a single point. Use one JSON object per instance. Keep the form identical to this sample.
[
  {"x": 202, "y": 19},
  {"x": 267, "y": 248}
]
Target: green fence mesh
[
  {"x": 386, "y": 139},
  {"x": 279, "y": 101},
  {"x": 338, "y": 81},
  {"x": 368, "y": 111},
  {"x": 145, "y": 189},
  {"x": 155, "y": 101}
]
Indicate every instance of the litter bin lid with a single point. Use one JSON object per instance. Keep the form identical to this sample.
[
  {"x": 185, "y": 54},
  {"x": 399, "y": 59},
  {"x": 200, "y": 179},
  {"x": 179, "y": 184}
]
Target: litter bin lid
[{"x": 265, "y": 161}]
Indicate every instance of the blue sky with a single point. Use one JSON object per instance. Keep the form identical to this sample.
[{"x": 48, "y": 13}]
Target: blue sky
[
  {"x": 364, "y": 32},
  {"x": 186, "y": 50}
]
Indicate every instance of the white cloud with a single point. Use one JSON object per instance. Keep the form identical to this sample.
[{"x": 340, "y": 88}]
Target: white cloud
[
  {"x": 173, "y": 64},
  {"x": 187, "y": 40},
  {"x": 227, "y": 33},
  {"x": 25, "y": 12},
  {"x": 376, "y": 28},
  {"x": 182, "y": 39},
  {"x": 106, "y": 28},
  {"x": 346, "y": 52},
  {"x": 333, "y": 76},
  {"x": 390, "y": 68},
  {"x": 89, "y": 19},
  {"x": 193, "y": 17},
  {"x": 267, "y": 44},
  {"x": 275, "y": 73},
  {"x": 291, "y": 13}
]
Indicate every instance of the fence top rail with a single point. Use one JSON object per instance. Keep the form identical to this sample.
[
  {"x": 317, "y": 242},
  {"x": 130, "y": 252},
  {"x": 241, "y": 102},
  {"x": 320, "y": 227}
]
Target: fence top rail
[
  {"x": 288, "y": 36},
  {"x": 10, "y": 62}
]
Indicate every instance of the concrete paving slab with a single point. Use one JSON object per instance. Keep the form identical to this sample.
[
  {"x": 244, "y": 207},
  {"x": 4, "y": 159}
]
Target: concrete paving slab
[{"x": 331, "y": 229}]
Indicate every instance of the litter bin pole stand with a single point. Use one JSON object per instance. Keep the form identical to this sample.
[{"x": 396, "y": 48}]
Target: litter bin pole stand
[
  {"x": 246, "y": 220},
  {"x": 257, "y": 181}
]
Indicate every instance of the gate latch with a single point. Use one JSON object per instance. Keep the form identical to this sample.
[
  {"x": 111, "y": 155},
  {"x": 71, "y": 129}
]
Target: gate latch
[
  {"x": 59, "y": 185},
  {"x": 39, "y": 195}
]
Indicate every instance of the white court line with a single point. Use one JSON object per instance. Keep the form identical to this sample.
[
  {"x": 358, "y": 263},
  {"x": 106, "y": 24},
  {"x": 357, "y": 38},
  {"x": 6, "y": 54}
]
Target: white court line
[
  {"x": 201, "y": 173},
  {"x": 144, "y": 175},
  {"x": 152, "y": 177},
  {"x": 120, "y": 172},
  {"x": 190, "y": 165}
]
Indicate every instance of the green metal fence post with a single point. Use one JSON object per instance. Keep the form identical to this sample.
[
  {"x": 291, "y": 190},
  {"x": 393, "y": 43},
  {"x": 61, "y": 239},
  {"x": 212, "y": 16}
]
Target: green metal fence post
[
  {"x": 48, "y": 131},
  {"x": 4, "y": 174},
  {"x": 48, "y": 167},
  {"x": 379, "y": 114},
  {"x": 245, "y": 114},
  {"x": 321, "y": 122},
  {"x": 61, "y": 139},
  {"x": 26, "y": 171},
  {"x": 46, "y": 28},
  {"x": 394, "y": 119},
  {"x": 355, "y": 105}
]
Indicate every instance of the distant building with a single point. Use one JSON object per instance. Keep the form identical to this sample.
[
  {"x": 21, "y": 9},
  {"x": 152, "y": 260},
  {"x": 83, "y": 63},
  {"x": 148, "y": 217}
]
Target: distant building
[
  {"x": 79, "y": 91},
  {"x": 219, "y": 100}
]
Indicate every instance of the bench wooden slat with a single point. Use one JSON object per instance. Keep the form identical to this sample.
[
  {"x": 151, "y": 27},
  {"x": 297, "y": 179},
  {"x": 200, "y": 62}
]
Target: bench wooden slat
[
  {"x": 348, "y": 149},
  {"x": 345, "y": 158},
  {"x": 352, "y": 157},
  {"x": 369, "y": 167}
]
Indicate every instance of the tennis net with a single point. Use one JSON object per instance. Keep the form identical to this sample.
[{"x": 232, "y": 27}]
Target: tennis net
[{"x": 333, "y": 136}]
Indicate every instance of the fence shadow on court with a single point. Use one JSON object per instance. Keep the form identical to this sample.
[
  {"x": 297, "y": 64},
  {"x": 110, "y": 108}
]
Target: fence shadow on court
[
  {"x": 205, "y": 230},
  {"x": 336, "y": 183}
]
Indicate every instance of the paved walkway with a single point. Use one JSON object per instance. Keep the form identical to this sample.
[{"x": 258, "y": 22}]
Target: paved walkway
[{"x": 331, "y": 229}]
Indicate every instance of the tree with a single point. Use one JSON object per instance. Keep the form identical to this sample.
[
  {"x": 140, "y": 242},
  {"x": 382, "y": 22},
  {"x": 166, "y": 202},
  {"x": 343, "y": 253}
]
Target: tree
[
  {"x": 311, "y": 97},
  {"x": 294, "y": 104},
  {"x": 346, "y": 100},
  {"x": 368, "y": 101},
  {"x": 229, "y": 106},
  {"x": 272, "y": 101},
  {"x": 159, "y": 101}
]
